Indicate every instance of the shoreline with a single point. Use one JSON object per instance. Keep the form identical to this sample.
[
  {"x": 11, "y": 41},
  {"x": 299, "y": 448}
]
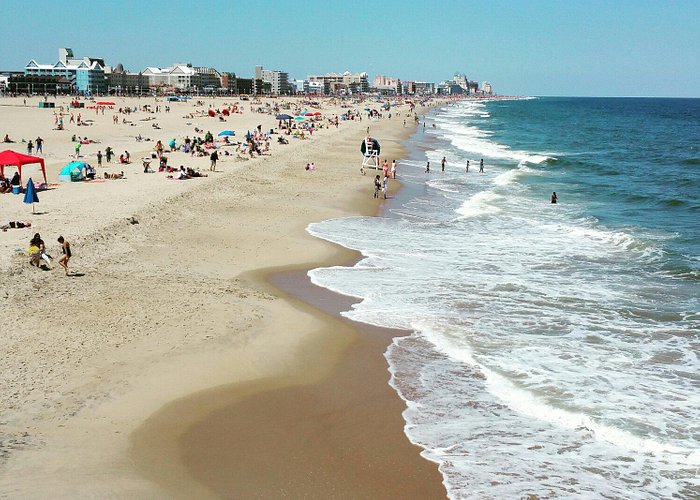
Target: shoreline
[
  {"x": 140, "y": 328},
  {"x": 351, "y": 439}
]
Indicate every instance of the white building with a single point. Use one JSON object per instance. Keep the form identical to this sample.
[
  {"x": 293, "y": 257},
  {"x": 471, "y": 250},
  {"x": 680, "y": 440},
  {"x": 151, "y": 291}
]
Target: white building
[
  {"x": 86, "y": 74},
  {"x": 347, "y": 82},
  {"x": 301, "y": 86},
  {"x": 278, "y": 80},
  {"x": 181, "y": 76}
]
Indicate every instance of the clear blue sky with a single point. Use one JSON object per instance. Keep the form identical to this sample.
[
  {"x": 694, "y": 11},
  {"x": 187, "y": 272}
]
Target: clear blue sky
[{"x": 524, "y": 47}]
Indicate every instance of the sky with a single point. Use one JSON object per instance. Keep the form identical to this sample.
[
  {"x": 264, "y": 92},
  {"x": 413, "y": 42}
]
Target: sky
[{"x": 522, "y": 47}]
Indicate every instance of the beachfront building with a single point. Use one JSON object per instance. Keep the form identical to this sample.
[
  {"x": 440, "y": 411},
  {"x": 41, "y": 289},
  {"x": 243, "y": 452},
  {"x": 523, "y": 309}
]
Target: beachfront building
[
  {"x": 120, "y": 81},
  {"x": 86, "y": 75},
  {"x": 209, "y": 78},
  {"x": 39, "y": 84},
  {"x": 278, "y": 80},
  {"x": 449, "y": 87},
  {"x": 316, "y": 87},
  {"x": 386, "y": 85},
  {"x": 301, "y": 86},
  {"x": 461, "y": 80},
  {"x": 423, "y": 88},
  {"x": 245, "y": 86},
  {"x": 179, "y": 76},
  {"x": 229, "y": 83},
  {"x": 486, "y": 88},
  {"x": 342, "y": 83}
]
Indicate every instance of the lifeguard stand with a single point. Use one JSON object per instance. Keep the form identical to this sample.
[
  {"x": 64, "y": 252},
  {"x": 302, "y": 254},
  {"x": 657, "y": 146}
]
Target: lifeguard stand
[{"x": 370, "y": 153}]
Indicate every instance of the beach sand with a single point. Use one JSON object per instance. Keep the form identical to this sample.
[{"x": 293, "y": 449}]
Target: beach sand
[{"x": 169, "y": 365}]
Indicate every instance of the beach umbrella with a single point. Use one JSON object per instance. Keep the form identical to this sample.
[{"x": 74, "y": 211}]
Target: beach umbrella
[
  {"x": 226, "y": 132},
  {"x": 30, "y": 195},
  {"x": 283, "y": 116},
  {"x": 317, "y": 113},
  {"x": 299, "y": 118},
  {"x": 309, "y": 114}
]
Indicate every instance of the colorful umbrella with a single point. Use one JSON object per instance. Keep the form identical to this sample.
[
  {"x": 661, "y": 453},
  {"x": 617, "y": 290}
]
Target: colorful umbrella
[
  {"x": 226, "y": 132},
  {"x": 283, "y": 116}
]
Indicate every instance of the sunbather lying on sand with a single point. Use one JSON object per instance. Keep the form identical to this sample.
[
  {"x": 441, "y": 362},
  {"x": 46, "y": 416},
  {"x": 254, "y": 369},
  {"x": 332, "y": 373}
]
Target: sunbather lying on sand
[
  {"x": 120, "y": 175},
  {"x": 15, "y": 225}
]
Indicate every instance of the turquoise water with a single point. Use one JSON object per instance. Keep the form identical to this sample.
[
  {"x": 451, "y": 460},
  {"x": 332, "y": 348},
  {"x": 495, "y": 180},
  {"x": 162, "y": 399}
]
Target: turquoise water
[{"x": 555, "y": 346}]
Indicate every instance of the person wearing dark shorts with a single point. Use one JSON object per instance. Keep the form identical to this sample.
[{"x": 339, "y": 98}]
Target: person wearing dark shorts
[{"x": 65, "y": 248}]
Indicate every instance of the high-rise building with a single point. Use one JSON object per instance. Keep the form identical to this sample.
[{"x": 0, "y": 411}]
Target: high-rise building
[{"x": 278, "y": 80}]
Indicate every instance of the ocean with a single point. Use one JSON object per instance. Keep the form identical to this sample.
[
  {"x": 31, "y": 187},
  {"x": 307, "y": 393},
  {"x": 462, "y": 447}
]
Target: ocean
[{"x": 554, "y": 347}]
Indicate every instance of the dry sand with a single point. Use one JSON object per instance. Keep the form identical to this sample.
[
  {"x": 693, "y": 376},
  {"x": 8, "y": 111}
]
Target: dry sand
[{"x": 126, "y": 379}]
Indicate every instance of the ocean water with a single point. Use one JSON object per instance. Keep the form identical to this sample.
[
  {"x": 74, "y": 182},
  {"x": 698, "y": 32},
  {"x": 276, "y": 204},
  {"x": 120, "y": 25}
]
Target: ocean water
[{"x": 554, "y": 347}]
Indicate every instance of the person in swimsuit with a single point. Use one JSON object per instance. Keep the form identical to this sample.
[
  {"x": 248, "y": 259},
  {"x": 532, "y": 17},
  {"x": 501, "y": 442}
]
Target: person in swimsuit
[
  {"x": 65, "y": 248},
  {"x": 554, "y": 197},
  {"x": 37, "y": 251}
]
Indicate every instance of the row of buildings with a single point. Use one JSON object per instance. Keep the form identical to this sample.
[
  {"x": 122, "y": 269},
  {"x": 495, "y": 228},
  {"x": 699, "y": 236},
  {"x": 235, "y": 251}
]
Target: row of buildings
[{"x": 90, "y": 75}]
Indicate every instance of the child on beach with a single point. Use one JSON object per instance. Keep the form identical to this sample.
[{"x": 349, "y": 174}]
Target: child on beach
[
  {"x": 65, "y": 249},
  {"x": 377, "y": 186}
]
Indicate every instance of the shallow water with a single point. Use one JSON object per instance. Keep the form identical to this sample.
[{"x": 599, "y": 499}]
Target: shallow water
[{"x": 555, "y": 346}]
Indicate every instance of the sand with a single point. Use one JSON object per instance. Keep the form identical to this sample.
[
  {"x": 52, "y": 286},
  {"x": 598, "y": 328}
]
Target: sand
[{"x": 168, "y": 347}]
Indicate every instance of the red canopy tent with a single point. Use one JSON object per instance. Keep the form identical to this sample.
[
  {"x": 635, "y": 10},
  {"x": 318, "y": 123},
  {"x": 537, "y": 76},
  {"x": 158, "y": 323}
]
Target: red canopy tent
[{"x": 12, "y": 158}]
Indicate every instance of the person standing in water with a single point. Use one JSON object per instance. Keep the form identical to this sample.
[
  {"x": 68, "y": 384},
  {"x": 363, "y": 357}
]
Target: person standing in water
[
  {"x": 467, "y": 169},
  {"x": 554, "y": 196},
  {"x": 427, "y": 168},
  {"x": 444, "y": 160},
  {"x": 481, "y": 166}
]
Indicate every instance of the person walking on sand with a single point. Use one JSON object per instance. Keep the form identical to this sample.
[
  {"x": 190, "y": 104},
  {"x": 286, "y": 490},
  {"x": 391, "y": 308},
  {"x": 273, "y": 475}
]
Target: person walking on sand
[
  {"x": 30, "y": 147},
  {"x": 99, "y": 158},
  {"x": 65, "y": 249},
  {"x": 393, "y": 169},
  {"x": 213, "y": 157},
  {"x": 377, "y": 186},
  {"x": 39, "y": 145},
  {"x": 481, "y": 166},
  {"x": 385, "y": 186}
]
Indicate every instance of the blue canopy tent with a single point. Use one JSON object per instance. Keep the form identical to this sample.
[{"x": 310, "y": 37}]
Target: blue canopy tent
[{"x": 72, "y": 172}]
